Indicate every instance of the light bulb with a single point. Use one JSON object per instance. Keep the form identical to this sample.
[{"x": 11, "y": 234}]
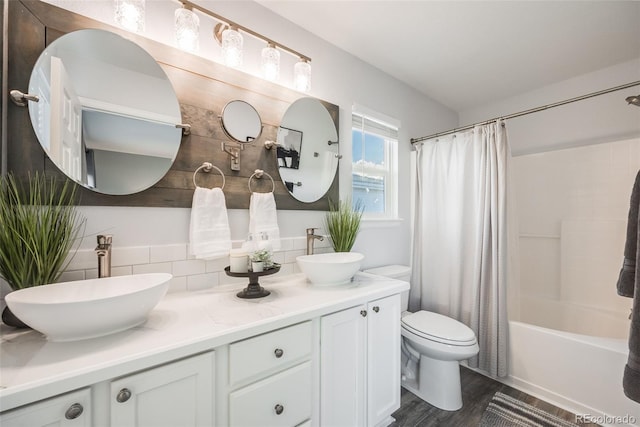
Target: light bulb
[
  {"x": 187, "y": 30},
  {"x": 232, "y": 47},
  {"x": 302, "y": 75},
  {"x": 130, "y": 14},
  {"x": 270, "y": 63}
]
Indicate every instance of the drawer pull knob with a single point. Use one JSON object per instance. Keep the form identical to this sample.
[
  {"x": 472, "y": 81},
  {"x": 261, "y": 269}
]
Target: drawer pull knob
[
  {"x": 123, "y": 395},
  {"x": 279, "y": 352},
  {"x": 74, "y": 411},
  {"x": 376, "y": 308},
  {"x": 279, "y": 409},
  {"x": 363, "y": 313}
]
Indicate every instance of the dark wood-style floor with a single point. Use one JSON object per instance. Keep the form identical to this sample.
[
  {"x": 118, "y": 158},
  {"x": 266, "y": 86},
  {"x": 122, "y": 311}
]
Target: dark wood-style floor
[{"x": 477, "y": 391}]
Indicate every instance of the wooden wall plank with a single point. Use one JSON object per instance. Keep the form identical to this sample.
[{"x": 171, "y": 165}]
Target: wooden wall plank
[{"x": 203, "y": 89}]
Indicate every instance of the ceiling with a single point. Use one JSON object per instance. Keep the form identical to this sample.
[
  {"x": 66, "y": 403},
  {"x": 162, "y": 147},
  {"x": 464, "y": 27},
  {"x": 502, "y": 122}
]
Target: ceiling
[{"x": 465, "y": 54}]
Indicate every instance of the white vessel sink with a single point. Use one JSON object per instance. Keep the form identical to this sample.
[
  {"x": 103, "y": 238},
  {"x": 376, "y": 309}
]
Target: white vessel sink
[
  {"x": 91, "y": 308},
  {"x": 331, "y": 268}
]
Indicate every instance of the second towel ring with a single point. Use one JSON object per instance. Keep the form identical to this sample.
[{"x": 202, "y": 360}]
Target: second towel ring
[
  {"x": 207, "y": 166},
  {"x": 258, "y": 174}
]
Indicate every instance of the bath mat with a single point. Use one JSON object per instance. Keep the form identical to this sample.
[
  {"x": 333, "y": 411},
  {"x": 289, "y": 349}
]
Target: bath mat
[{"x": 505, "y": 411}]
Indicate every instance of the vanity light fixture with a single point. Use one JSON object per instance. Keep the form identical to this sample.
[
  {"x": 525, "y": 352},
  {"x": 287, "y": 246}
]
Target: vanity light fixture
[
  {"x": 229, "y": 36},
  {"x": 187, "y": 25},
  {"x": 130, "y": 14},
  {"x": 231, "y": 40},
  {"x": 270, "y": 63},
  {"x": 302, "y": 75}
]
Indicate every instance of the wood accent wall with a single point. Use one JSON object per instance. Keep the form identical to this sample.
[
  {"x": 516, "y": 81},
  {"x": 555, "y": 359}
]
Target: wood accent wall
[{"x": 203, "y": 89}]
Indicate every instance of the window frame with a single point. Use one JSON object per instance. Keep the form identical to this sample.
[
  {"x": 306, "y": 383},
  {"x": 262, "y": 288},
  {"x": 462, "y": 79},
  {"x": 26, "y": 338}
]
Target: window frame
[{"x": 390, "y": 173}]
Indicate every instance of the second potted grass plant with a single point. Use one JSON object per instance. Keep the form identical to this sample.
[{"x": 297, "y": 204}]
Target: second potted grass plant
[{"x": 342, "y": 222}]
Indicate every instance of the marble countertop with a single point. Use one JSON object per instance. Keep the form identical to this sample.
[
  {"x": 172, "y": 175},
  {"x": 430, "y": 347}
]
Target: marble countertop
[{"x": 182, "y": 324}]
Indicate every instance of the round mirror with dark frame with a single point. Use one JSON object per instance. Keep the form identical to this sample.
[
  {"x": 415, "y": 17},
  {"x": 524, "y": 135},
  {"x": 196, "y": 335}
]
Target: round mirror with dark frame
[
  {"x": 240, "y": 121},
  {"x": 107, "y": 112},
  {"x": 307, "y": 150}
]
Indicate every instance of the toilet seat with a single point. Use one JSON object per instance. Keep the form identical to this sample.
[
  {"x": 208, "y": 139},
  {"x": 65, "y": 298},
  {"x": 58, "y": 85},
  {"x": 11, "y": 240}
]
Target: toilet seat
[{"x": 438, "y": 328}]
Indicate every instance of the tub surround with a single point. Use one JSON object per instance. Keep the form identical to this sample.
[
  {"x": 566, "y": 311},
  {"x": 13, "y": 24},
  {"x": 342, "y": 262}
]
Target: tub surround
[{"x": 182, "y": 325}]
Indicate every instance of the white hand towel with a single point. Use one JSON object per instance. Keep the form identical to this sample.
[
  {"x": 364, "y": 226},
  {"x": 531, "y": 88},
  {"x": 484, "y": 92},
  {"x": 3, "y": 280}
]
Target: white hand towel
[
  {"x": 263, "y": 217},
  {"x": 209, "y": 231}
]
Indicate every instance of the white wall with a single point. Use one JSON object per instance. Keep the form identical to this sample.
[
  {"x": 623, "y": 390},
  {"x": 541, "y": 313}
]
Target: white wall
[
  {"x": 337, "y": 77},
  {"x": 604, "y": 118}
]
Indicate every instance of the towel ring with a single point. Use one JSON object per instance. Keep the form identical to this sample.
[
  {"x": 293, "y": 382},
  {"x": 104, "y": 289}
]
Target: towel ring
[
  {"x": 207, "y": 166},
  {"x": 258, "y": 174}
]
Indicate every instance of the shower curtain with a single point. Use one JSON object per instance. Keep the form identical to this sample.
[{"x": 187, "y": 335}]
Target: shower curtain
[{"x": 461, "y": 236}]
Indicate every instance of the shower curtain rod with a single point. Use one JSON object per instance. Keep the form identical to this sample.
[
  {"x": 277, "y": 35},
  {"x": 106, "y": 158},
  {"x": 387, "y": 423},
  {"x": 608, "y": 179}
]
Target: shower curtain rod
[{"x": 525, "y": 112}]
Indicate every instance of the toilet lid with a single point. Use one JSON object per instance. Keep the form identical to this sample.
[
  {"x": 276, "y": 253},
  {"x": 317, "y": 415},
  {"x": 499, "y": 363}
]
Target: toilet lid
[{"x": 439, "y": 328}]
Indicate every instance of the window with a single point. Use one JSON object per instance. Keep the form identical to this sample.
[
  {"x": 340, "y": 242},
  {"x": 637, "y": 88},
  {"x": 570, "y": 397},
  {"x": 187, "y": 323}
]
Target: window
[{"x": 374, "y": 167}]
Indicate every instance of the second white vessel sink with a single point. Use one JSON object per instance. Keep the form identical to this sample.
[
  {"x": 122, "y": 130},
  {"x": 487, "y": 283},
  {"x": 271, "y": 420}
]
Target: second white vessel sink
[
  {"x": 336, "y": 268},
  {"x": 70, "y": 311}
]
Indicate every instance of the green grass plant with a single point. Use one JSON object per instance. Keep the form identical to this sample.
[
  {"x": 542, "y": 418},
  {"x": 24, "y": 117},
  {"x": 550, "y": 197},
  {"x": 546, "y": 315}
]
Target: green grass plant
[
  {"x": 342, "y": 221},
  {"x": 39, "y": 225}
]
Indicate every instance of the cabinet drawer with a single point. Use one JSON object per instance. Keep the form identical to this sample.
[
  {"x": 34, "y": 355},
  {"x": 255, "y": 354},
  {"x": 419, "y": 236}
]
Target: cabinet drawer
[
  {"x": 71, "y": 409},
  {"x": 269, "y": 352},
  {"x": 281, "y": 400}
]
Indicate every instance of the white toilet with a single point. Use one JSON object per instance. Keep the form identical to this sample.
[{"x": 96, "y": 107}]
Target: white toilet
[{"x": 432, "y": 347}]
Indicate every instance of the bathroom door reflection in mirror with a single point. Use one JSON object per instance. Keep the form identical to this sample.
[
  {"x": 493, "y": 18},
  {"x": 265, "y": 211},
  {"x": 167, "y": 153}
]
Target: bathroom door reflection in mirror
[
  {"x": 307, "y": 151},
  {"x": 107, "y": 113}
]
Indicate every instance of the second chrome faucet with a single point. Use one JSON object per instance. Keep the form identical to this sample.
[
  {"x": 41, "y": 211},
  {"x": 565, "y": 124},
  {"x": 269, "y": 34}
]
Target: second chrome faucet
[
  {"x": 103, "y": 250},
  {"x": 311, "y": 238}
]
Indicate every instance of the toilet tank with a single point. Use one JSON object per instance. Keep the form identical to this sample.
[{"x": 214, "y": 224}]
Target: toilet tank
[{"x": 399, "y": 272}]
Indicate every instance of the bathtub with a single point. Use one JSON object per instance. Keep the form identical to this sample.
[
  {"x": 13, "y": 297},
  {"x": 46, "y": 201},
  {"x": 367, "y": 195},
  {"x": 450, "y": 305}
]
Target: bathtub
[{"x": 580, "y": 373}]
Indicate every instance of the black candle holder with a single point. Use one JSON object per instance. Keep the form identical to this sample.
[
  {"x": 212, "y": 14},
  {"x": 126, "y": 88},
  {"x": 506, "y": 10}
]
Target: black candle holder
[{"x": 253, "y": 289}]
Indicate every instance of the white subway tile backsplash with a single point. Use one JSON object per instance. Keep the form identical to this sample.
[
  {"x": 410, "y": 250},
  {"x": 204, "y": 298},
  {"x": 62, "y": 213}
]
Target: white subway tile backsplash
[
  {"x": 178, "y": 284},
  {"x": 166, "y": 253},
  {"x": 300, "y": 243},
  {"x": 189, "y": 267},
  {"x": 124, "y": 270},
  {"x": 70, "y": 276},
  {"x": 286, "y": 244},
  {"x": 130, "y": 255},
  {"x": 158, "y": 267},
  {"x": 290, "y": 256},
  {"x": 216, "y": 265},
  {"x": 189, "y": 274},
  {"x": 202, "y": 281},
  {"x": 83, "y": 259}
]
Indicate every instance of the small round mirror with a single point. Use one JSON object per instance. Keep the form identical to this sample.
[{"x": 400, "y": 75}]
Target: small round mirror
[
  {"x": 107, "y": 113},
  {"x": 307, "y": 152},
  {"x": 240, "y": 121}
]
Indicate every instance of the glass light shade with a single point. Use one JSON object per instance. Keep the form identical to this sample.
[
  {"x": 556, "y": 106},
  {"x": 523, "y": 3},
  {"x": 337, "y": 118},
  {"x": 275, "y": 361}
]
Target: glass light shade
[
  {"x": 232, "y": 47},
  {"x": 187, "y": 30},
  {"x": 270, "y": 63},
  {"x": 302, "y": 76},
  {"x": 130, "y": 14}
]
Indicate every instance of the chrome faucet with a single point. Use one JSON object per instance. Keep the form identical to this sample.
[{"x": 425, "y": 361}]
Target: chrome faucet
[
  {"x": 103, "y": 250},
  {"x": 311, "y": 237}
]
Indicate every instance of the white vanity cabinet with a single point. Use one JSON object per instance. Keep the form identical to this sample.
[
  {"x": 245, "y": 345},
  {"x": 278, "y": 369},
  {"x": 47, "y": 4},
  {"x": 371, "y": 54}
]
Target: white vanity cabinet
[
  {"x": 176, "y": 394},
  {"x": 306, "y": 356},
  {"x": 67, "y": 410},
  {"x": 270, "y": 377},
  {"x": 360, "y": 364}
]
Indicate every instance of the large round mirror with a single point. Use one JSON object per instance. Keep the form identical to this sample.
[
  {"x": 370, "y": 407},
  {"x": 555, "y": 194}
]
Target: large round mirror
[
  {"x": 107, "y": 113},
  {"x": 240, "y": 121},
  {"x": 307, "y": 150}
]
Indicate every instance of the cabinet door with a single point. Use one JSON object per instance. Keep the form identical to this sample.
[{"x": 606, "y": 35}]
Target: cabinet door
[
  {"x": 383, "y": 359},
  {"x": 68, "y": 410},
  {"x": 342, "y": 368},
  {"x": 176, "y": 394}
]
